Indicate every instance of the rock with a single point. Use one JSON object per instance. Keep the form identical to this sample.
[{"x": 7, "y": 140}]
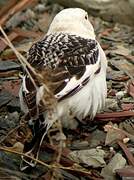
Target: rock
[
  {"x": 120, "y": 94},
  {"x": 40, "y": 8},
  {"x": 14, "y": 105},
  {"x": 117, "y": 162},
  {"x": 13, "y": 118},
  {"x": 90, "y": 157},
  {"x": 96, "y": 140},
  {"x": 5, "y": 97},
  {"x": 111, "y": 104},
  {"x": 8, "y": 122}
]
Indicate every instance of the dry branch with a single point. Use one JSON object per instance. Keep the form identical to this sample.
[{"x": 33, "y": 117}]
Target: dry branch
[
  {"x": 120, "y": 114},
  {"x": 127, "y": 152}
]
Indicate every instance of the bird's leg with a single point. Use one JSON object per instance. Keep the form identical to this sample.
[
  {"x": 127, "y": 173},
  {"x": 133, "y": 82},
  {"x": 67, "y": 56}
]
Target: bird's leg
[{"x": 32, "y": 148}]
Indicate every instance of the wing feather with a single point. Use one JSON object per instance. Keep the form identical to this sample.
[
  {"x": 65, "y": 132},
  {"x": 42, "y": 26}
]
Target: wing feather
[{"x": 70, "y": 60}]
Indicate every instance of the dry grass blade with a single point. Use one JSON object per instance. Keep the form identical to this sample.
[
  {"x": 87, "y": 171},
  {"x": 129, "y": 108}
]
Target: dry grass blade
[
  {"x": 22, "y": 154},
  {"x": 76, "y": 169},
  {"x": 22, "y": 60}
]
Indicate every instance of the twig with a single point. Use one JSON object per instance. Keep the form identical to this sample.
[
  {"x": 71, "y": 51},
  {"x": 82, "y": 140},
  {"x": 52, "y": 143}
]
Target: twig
[
  {"x": 22, "y": 154},
  {"x": 12, "y": 36},
  {"x": 128, "y": 154},
  {"x": 114, "y": 115},
  {"x": 8, "y": 73},
  {"x": 45, "y": 164},
  {"x": 19, "y": 56},
  {"x": 23, "y": 61}
]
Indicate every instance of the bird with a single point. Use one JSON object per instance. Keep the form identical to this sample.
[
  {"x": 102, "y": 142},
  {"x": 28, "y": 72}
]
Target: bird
[{"x": 71, "y": 77}]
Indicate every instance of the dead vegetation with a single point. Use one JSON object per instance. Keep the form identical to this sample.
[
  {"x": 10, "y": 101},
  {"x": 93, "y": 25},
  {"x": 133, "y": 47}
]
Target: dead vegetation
[{"x": 99, "y": 149}]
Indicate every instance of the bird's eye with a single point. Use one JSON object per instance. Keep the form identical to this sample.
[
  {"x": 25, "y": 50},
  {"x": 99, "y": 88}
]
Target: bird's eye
[{"x": 86, "y": 17}]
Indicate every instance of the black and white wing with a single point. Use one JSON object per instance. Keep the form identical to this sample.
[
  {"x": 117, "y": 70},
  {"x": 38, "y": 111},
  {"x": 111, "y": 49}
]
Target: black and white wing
[{"x": 71, "y": 60}]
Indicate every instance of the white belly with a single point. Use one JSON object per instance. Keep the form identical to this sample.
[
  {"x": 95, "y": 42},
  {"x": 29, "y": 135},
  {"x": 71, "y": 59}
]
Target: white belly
[{"x": 89, "y": 100}]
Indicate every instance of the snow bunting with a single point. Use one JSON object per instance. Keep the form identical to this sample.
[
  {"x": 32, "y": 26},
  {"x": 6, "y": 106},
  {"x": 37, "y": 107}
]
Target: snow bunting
[{"x": 73, "y": 66}]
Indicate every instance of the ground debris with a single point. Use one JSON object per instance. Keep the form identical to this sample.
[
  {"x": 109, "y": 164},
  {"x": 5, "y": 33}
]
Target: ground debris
[{"x": 97, "y": 148}]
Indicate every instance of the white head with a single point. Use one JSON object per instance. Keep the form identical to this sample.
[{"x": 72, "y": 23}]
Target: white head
[{"x": 73, "y": 21}]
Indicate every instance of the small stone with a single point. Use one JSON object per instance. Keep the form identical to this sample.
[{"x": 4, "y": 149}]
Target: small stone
[
  {"x": 111, "y": 104},
  {"x": 116, "y": 29},
  {"x": 90, "y": 157},
  {"x": 30, "y": 14},
  {"x": 111, "y": 149},
  {"x": 120, "y": 94},
  {"x": 125, "y": 140},
  {"x": 13, "y": 117},
  {"x": 14, "y": 105},
  {"x": 40, "y": 8},
  {"x": 96, "y": 140},
  {"x": 5, "y": 98},
  {"x": 18, "y": 146}
]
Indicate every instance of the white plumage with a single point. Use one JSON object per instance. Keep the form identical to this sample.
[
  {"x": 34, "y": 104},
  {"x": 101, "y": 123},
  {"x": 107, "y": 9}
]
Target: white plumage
[{"x": 71, "y": 49}]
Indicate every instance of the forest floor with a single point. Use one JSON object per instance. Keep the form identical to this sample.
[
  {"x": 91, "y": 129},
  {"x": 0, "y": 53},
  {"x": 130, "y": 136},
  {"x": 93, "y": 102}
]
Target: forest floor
[{"x": 103, "y": 148}]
